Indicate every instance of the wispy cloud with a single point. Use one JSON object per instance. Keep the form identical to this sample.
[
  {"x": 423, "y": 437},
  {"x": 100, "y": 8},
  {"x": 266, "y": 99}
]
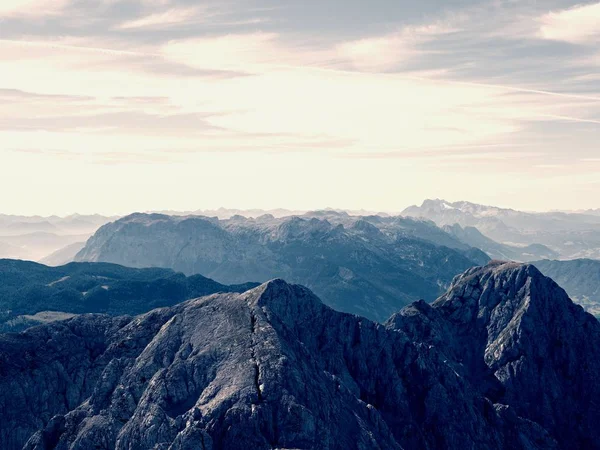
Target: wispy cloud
[
  {"x": 389, "y": 51},
  {"x": 211, "y": 16},
  {"x": 572, "y": 119},
  {"x": 29, "y": 8},
  {"x": 579, "y": 24},
  {"x": 163, "y": 19}
]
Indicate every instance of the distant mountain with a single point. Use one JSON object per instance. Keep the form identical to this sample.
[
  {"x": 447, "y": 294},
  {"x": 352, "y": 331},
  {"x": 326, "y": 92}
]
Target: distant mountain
[
  {"x": 370, "y": 266},
  {"x": 32, "y": 293},
  {"x": 473, "y": 237},
  {"x": 571, "y": 235},
  {"x": 592, "y": 212},
  {"x": 394, "y": 226},
  {"x": 34, "y": 238},
  {"x": 12, "y": 251},
  {"x": 35, "y": 246},
  {"x": 19, "y": 228},
  {"x": 503, "y": 360},
  {"x": 228, "y": 213},
  {"x": 63, "y": 255},
  {"x": 579, "y": 277},
  {"x": 69, "y": 225}
]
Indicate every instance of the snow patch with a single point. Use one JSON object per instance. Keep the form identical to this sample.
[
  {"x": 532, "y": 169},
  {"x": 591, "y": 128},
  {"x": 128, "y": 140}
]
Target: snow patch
[{"x": 58, "y": 281}]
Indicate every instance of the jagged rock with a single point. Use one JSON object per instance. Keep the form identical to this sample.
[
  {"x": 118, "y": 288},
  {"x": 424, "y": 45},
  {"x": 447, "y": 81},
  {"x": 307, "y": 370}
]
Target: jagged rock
[
  {"x": 522, "y": 342},
  {"x": 275, "y": 368}
]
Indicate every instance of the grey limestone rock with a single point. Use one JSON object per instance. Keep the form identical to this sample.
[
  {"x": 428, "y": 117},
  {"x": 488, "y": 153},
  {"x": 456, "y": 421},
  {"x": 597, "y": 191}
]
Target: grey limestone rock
[
  {"x": 519, "y": 339},
  {"x": 275, "y": 368}
]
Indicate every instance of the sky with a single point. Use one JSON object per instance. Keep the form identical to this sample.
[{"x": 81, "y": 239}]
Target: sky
[{"x": 115, "y": 106}]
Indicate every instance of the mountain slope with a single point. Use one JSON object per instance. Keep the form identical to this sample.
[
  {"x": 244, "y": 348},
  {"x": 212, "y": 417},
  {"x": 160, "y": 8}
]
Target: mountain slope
[
  {"x": 36, "y": 238},
  {"x": 473, "y": 237},
  {"x": 579, "y": 277},
  {"x": 270, "y": 368},
  {"x": 63, "y": 255},
  {"x": 28, "y": 288},
  {"x": 517, "y": 336},
  {"x": 12, "y": 251},
  {"x": 69, "y": 225},
  {"x": 370, "y": 266},
  {"x": 572, "y": 235},
  {"x": 37, "y": 245}
]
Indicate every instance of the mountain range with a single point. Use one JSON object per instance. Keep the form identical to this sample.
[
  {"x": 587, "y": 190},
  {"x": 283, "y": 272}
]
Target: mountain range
[
  {"x": 500, "y": 232},
  {"x": 502, "y": 360},
  {"x": 495, "y": 250},
  {"x": 31, "y": 293},
  {"x": 35, "y": 237},
  {"x": 55, "y": 240},
  {"x": 371, "y": 266},
  {"x": 569, "y": 235}
]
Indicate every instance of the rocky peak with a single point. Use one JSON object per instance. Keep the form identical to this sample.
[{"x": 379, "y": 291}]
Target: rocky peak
[
  {"x": 278, "y": 295},
  {"x": 269, "y": 368},
  {"x": 367, "y": 229},
  {"x": 522, "y": 341},
  {"x": 474, "y": 294},
  {"x": 297, "y": 228}
]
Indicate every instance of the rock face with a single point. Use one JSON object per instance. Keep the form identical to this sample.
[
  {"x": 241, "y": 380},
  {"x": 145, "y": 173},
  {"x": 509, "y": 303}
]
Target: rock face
[
  {"x": 522, "y": 342},
  {"x": 371, "y": 266},
  {"x": 28, "y": 288},
  {"x": 502, "y": 360}
]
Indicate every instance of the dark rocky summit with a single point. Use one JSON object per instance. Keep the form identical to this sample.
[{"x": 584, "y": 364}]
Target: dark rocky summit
[
  {"x": 371, "y": 266},
  {"x": 503, "y": 360},
  {"x": 519, "y": 339}
]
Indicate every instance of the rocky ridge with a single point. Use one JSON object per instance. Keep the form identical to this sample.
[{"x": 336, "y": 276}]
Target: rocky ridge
[{"x": 503, "y": 360}]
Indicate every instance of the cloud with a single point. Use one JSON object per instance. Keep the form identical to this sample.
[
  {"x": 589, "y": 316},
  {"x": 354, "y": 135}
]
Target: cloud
[
  {"x": 577, "y": 25},
  {"x": 16, "y": 8},
  {"x": 231, "y": 51},
  {"x": 257, "y": 50},
  {"x": 388, "y": 51},
  {"x": 163, "y": 19},
  {"x": 160, "y": 20},
  {"x": 399, "y": 107},
  {"x": 297, "y": 96},
  {"x": 571, "y": 119},
  {"x": 379, "y": 53},
  {"x": 208, "y": 15},
  {"x": 11, "y": 95},
  {"x": 39, "y": 49}
]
